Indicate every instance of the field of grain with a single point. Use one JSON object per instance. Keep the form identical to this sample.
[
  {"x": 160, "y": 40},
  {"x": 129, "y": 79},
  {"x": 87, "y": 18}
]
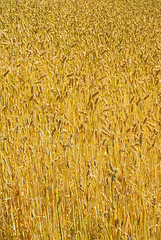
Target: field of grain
[{"x": 80, "y": 120}]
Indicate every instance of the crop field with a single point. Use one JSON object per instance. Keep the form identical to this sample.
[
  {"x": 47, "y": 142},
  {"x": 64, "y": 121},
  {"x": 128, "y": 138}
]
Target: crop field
[{"x": 80, "y": 120}]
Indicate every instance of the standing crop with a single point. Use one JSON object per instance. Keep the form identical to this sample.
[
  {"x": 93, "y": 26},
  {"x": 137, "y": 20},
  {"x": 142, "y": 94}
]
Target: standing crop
[{"x": 80, "y": 119}]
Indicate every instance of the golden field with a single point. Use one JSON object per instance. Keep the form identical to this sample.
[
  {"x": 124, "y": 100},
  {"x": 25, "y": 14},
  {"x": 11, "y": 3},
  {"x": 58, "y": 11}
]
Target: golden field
[{"x": 80, "y": 120}]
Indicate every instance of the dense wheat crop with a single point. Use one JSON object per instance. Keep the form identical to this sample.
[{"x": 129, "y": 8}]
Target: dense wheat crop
[{"x": 80, "y": 119}]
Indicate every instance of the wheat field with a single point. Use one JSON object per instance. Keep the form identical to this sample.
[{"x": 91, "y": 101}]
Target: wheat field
[{"x": 80, "y": 120}]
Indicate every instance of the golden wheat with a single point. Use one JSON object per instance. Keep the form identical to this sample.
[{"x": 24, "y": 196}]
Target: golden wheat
[{"x": 80, "y": 119}]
